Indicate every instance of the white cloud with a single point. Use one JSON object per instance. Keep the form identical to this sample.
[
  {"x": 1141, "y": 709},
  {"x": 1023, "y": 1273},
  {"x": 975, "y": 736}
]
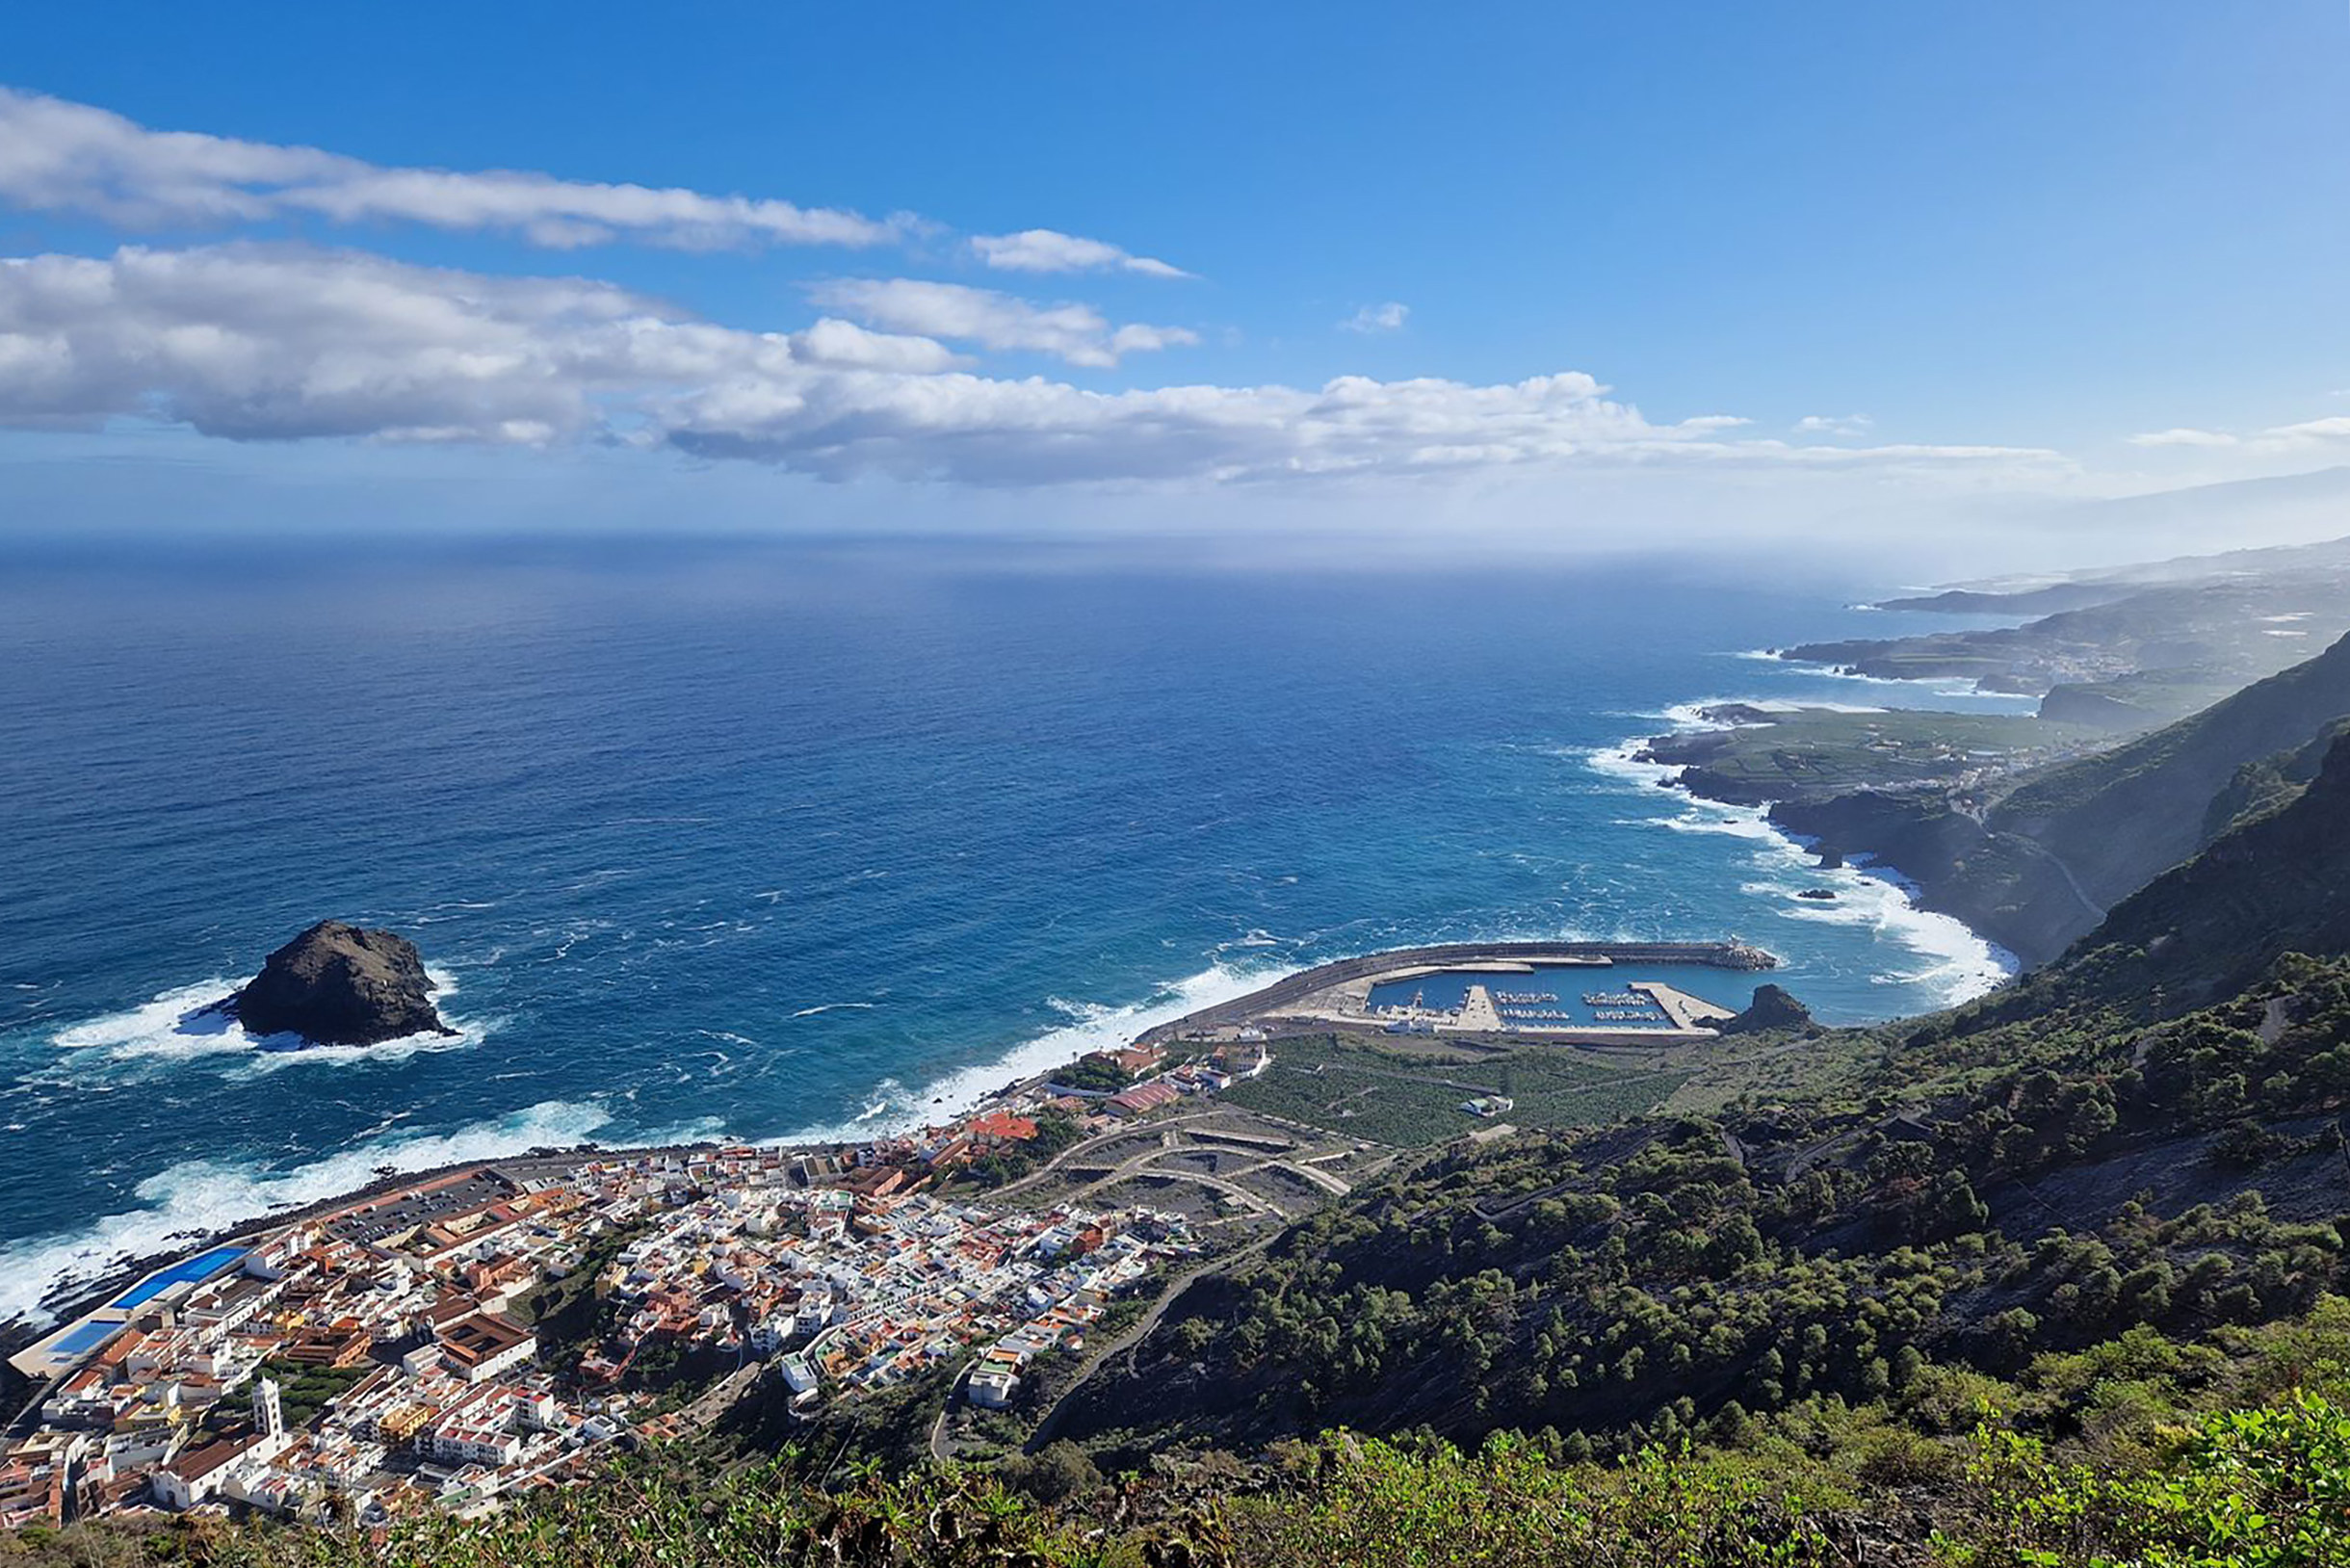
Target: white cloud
[
  {"x": 2310, "y": 433},
  {"x": 2307, "y": 436},
  {"x": 1075, "y": 332},
  {"x": 262, "y": 343},
  {"x": 1834, "y": 425},
  {"x": 1389, "y": 316},
  {"x": 57, "y": 156},
  {"x": 1049, "y": 251}
]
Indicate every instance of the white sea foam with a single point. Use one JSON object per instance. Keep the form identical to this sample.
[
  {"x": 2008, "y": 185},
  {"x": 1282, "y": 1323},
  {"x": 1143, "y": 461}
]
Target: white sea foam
[
  {"x": 1956, "y": 963},
  {"x": 831, "y": 1006},
  {"x": 1092, "y": 1026},
  {"x": 1952, "y": 689},
  {"x": 203, "y": 1196},
  {"x": 176, "y": 1029}
]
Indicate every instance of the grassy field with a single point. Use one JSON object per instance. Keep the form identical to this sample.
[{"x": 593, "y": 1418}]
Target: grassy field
[
  {"x": 1404, "y": 1096},
  {"x": 1814, "y": 752}
]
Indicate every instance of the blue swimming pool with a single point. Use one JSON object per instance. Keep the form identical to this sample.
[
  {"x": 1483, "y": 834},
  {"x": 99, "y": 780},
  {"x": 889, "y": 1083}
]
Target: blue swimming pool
[
  {"x": 203, "y": 1266},
  {"x": 83, "y": 1339}
]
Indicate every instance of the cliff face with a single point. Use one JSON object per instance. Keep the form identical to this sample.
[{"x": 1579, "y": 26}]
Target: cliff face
[
  {"x": 337, "y": 984},
  {"x": 2039, "y": 869},
  {"x": 2278, "y": 884}
]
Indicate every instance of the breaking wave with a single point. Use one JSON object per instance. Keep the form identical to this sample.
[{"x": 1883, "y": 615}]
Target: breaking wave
[{"x": 1092, "y": 1026}]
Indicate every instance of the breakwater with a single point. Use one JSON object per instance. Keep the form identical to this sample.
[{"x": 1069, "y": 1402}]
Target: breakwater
[{"x": 1295, "y": 988}]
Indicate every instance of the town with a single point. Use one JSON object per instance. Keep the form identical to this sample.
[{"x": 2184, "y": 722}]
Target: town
[{"x": 421, "y": 1347}]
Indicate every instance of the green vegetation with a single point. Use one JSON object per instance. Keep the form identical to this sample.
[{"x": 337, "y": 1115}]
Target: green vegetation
[
  {"x": 2122, "y": 816},
  {"x": 1631, "y": 1285},
  {"x": 2061, "y": 1277},
  {"x": 1095, "y": 1073},
  {"x": 570, "y": 1313},
  {"x": 2265, "y": 1486},
  {"x": 302, "y": 1391},
  {"x": 1056, "y": 1132},
  {"x": 2034, "y": 859},
  {"x": 1814, "y": 753},
  {"x": 1408, "y": 1094},
  {"x": 2269, "y": 784}
]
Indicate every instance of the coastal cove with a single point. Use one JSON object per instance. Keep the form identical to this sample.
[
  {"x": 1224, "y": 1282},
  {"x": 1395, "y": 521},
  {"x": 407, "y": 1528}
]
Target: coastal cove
[{"x": 814, "y": 844}]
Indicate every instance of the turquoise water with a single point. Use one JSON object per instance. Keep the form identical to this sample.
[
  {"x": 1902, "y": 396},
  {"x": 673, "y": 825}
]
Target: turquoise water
[{"x": 777, "y": 841}]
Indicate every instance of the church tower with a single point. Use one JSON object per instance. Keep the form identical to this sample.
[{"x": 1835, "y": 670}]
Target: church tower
[{"x": 269, "y": 1414}]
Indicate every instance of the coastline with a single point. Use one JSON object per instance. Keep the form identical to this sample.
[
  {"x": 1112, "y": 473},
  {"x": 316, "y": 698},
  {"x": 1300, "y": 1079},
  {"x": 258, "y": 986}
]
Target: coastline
[
  {"x": 1959, "y": 962},
  {"x": 1973, "y": 962}
]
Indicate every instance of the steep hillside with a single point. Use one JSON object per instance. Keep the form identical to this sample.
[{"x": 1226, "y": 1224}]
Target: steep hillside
[
  {"x": 2037, "y": 868},
  {"x": 2262, "y": 787},
  {"x": 2079, "y": 1158},
  {"x": 2280, "y": 882},
  {"x": 2118, "y": 817}
]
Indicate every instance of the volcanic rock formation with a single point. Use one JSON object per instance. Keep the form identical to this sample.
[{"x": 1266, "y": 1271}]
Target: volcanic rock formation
[{"x": 337, "y": 984}]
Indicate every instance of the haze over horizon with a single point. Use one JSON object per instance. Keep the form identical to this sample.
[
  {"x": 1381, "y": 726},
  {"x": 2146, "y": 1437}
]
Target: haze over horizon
[{"x": 1932, "y": 285}]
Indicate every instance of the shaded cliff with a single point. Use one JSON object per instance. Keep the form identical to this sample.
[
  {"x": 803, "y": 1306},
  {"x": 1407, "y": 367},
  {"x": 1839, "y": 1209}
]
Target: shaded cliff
[{"x": 2037, "y": 868}]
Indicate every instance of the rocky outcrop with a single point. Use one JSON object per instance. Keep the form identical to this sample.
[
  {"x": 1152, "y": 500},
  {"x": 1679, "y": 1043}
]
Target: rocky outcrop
[
  {"x": 1772, "y": 1008},
  {"x": 337, "y": 984}
]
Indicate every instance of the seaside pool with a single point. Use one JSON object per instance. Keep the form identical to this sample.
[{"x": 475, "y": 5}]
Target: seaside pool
[
  {"x": 203, "y": 1266},
  {"x": 83, "y": 1339},
  {"x": 1564, "y": 987}
]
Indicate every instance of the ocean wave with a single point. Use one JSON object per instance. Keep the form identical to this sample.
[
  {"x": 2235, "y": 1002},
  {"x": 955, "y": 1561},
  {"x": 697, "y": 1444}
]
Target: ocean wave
[
  {"x": 832, "y": 1007},
  {"x": 200, "y": 1198},
  {"x": 1092, "y": 1026},
  {"x": 1957, "y": 964},
  {"x": 176, "y": 1028}
]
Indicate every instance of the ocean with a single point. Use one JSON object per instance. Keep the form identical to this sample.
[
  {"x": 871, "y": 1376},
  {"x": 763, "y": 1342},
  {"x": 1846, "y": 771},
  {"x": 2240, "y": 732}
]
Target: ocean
[{"x": 798, "y": 841}]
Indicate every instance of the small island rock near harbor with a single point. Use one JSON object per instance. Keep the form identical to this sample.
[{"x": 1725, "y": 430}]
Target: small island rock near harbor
[{"x": 340, "y": 984}]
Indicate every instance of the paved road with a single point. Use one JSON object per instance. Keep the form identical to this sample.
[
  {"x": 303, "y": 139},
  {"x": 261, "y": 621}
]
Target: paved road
[{"x": 1096, "y": 1355}]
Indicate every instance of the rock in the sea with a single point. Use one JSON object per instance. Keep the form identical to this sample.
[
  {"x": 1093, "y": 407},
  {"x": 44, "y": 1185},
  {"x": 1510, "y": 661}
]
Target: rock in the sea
[
  {"x": 1818, "y": 895},
  {"x": 337, "y": 984},
  {"x": 1772, "y": 1008}
]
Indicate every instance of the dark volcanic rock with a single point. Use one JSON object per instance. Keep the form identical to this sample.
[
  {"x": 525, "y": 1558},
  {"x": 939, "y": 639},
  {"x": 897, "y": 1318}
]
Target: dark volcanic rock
[
  {"x": 1772, "y": 1008},
  {"x": 336, "y": 984}
]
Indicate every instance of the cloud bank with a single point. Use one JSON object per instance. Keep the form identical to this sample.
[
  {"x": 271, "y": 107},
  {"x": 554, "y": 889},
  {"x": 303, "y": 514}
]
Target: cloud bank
[
  {"x": 2307, "y": 436},
  {"x": 274, "y": 342},
  {"x": 62, "y": 157}
]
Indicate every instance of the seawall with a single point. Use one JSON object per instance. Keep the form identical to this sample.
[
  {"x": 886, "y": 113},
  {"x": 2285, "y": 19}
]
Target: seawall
[{"x": 1294, "y": 987}]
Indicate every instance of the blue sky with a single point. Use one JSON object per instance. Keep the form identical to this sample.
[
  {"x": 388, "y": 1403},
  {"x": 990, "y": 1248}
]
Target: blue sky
[{"x": 2043, "y": 250}]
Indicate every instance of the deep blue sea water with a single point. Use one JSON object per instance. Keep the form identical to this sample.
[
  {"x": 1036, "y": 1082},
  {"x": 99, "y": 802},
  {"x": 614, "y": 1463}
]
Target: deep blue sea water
[{"x": 772, "y": 840}]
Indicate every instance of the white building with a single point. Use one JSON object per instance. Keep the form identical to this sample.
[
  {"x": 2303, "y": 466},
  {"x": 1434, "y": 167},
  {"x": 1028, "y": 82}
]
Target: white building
[
  {"x": 269, "y": 1419},
  {"x": 199, "y": 1475},
  {"x": 992, "y": 1388}
]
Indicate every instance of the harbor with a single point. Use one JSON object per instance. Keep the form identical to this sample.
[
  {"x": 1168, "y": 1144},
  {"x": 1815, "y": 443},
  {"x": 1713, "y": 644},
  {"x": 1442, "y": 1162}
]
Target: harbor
[{"x": 1590, "y": 993}]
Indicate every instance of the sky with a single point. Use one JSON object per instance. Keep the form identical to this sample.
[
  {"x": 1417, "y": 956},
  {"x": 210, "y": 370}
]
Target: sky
[{"x": 1572, "y": 274}]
